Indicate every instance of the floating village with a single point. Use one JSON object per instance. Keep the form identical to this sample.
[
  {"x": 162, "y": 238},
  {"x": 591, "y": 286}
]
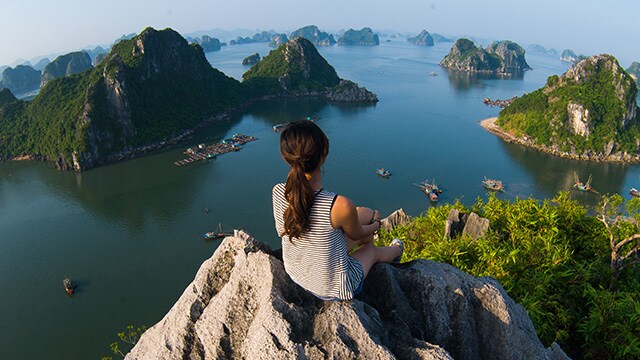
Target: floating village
[{"x": 203, "y": 152}]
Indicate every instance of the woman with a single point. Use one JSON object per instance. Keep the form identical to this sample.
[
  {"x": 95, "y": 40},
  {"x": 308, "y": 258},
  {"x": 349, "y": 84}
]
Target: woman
[{"x": 319, "y": 228}]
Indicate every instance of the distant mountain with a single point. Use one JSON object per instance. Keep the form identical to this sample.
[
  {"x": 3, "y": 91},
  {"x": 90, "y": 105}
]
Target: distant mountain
[
  {"x": 588, "y": 113},
  {"x": 208, "y": 43},
  {"x": 2, "y": 68},
  {"x": 93, "y": 53},
  {"x": 500, "y": 57},
  {"x": 261, "y": 37},
  {"x": 363, "y": 37},
  {"x": 66, "y": 65},
  {"x": 123, "y": 37},
  {"x": 315, "y": 35},
  {"x": 568, "y": 56},
  {"x": 539, "y": 49},
  {"x": 277, "y": 40},
  {"x": 6, "y": 96},
  {"x": 634, "y": 70},
  {"x": 21, "y": 79},
  {"x": 40, "y": 65},
  {"x": 296, "y": 68},
  {"x": 423, "y": 39},
  {"x": 440, "y": 38}
]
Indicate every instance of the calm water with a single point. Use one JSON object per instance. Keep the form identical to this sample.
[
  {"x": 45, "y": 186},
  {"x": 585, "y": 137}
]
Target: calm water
[{"x": 130, "y": 234}]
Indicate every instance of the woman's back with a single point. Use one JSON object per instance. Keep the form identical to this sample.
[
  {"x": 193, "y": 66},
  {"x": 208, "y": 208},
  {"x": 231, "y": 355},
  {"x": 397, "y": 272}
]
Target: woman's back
[{"x": 318, "y": 259}]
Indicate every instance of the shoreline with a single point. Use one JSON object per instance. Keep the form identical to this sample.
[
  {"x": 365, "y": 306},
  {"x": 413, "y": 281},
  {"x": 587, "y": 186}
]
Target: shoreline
[{"x": 491, "y": 126}]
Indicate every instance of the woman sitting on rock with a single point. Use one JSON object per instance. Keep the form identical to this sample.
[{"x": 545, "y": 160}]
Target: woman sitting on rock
[{"x": 319, "y": 228}]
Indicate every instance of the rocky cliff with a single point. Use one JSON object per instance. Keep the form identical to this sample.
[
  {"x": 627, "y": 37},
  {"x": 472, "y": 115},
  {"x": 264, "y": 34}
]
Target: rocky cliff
[
  {"x": 297, "y": 69},
  {"x": 251, "y": 59},
  {"x": 362, "y": 37},
  {"x": 568, "y": 55},
  {"x": 315, "y": 35},
  {"x": 66, "y": 65},
  {"x": 147, "y": 92},
  {"x": 242, "y": 304},
  {"x": 588, "y": 113},
  {"x": 501, "y": 57},
  {"x": 422, "y": 39},
  {"x": 21, "y": 79}
]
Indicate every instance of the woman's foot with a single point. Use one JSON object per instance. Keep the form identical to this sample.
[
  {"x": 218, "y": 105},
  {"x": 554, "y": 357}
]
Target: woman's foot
[{"x": 397, "y": 242}]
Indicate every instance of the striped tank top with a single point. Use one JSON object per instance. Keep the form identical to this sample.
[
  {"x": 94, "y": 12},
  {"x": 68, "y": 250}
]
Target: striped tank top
[{"x": 318, "y": 260}]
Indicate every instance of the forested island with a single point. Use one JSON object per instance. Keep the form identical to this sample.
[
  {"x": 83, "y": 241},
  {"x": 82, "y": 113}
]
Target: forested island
[
  {"x": 501, "y": 57},
  {"x": 151, "y": 91},
  {"x": 588, "y": 113},
  {"x": 362, "y": 37}
]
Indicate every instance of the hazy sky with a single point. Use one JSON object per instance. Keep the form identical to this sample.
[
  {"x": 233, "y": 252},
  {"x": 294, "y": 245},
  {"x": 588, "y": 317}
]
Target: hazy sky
[{"x": 37, "y": 27}]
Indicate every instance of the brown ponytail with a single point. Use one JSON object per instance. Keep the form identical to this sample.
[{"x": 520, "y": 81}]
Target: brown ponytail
[{"x": 304, "y": 146}]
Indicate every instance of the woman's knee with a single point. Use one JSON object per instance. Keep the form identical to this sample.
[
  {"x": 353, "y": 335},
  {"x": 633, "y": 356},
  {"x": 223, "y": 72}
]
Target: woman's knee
[{"x": 365, "y": 215}]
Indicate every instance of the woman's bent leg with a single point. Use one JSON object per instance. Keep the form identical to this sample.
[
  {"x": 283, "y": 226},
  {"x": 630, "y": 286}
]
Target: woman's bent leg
[{"x": 369, "y": 255}]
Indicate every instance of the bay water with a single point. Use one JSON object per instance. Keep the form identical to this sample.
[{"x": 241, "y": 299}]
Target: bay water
[{"x": 130, "y": 234}]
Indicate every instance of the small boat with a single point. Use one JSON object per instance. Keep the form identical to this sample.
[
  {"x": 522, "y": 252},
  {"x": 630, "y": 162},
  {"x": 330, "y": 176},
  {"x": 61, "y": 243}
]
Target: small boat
[
  {"x": 486, "y": 100},
  {"x": 68, "y": 285},
  {"x": 634, "y": 192},
  {"x": 215, "y": 235},
  {"x": 211, "y": 156},
  {"x": 430, "y": 189},
  {"x": 313, "y": 118},
  {"x": 433, "y": 73},
  {"x": 279, "y": 127},
  {"x": 493, "y": 185},
  {"x": 583, "y": 186},
  {"x": 383, "y": 173}
]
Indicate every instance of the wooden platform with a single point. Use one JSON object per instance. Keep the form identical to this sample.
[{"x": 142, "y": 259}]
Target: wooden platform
[{"x": 203, "y": 152}]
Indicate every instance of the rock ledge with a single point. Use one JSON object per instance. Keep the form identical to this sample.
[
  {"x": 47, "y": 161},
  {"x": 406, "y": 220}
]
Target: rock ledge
[{"x": 242, "y": 304}]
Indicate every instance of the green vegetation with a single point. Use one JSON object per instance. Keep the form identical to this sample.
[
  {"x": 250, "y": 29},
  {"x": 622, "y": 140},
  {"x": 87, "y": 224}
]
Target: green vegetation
[
  {"x": 293, "y": 67},
  {"x": 543, "y": 115},
  {"x": 128, "y": 338},
  {"x": 554, "y": 259}
]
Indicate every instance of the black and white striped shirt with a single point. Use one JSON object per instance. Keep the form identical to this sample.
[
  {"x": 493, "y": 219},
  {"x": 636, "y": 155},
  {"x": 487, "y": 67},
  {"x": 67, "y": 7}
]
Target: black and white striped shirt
[{"x": 318, "y": 260}]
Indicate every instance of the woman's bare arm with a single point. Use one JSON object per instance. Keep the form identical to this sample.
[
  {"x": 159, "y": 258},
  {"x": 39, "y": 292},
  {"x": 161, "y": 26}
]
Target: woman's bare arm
[{"x": 344, "y": 215}]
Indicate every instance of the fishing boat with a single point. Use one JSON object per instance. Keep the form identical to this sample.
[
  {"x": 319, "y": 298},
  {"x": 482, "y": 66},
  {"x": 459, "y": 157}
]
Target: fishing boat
[
  {"x": 586, "y": 187},
  {"x": 430, "y": 189},
  {"x": 68, "y": 285},
  {"x": 383, "y": 173},
  {"x": 493, "y": 185},
  {"x": 279, "y": 127},
  {"x": 215, "y": 235},
  {"x": 486, "y": 100},
  {"x": 634, "y": 192}
]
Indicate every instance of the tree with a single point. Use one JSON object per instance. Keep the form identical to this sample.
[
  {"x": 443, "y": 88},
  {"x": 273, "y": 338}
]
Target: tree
[{"x": 623, "y": 231}]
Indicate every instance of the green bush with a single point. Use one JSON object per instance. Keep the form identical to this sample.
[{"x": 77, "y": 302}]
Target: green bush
[{"x": 549, "y": 256}]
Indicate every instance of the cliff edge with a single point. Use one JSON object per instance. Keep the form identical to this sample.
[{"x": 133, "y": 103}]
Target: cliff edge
[{"x": 422, "y": 309}]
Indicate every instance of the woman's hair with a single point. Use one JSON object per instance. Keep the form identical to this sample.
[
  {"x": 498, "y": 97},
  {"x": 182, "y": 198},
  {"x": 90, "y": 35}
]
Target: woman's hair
[{"x": 304, "y": 146}]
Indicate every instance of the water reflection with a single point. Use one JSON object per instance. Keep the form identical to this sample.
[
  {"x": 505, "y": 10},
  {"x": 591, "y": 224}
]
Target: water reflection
[
  {"x": 462, "y": 80},
  {"x": 130, "y": 192},
  {"x": 553, "y": 174}
]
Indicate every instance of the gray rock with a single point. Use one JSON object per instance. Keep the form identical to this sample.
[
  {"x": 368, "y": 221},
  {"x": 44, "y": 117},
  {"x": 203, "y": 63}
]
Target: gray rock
[
  {"x": 242, "y": 304},
  {"x": 475, "y": 226},
  {"x": 397, "y": 218}
]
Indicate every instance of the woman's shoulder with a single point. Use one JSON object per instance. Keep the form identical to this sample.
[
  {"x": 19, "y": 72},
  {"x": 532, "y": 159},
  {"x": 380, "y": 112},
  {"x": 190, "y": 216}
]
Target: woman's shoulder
[
  {"x": 278, "y": 188},
  {"x": 342, "y": 203}
]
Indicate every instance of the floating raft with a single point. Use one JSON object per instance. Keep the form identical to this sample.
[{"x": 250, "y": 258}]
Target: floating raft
[{"x": 202, "y": 151}]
